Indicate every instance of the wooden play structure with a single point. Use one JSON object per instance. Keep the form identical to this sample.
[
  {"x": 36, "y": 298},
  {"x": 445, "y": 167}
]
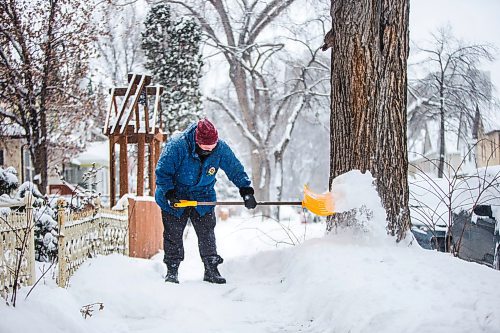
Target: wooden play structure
[
  {"x": 134, "y": 118},
  {"x": 130, "y": 121}
]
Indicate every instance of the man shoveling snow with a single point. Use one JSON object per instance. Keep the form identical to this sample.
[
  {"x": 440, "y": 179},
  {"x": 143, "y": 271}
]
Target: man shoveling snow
[{"x": 186, "y": 170}]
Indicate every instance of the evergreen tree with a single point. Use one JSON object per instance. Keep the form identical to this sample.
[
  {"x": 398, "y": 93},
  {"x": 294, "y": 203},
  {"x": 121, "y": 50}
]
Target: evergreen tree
[{"x": 173, "y": 56}]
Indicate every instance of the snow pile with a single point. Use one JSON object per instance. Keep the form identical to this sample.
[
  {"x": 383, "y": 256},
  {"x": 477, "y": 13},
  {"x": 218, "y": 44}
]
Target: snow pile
[{"x": 356, "y": 190}]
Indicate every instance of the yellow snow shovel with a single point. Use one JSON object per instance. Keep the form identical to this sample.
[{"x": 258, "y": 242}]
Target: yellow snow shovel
[{"x": 319, "y": 204}]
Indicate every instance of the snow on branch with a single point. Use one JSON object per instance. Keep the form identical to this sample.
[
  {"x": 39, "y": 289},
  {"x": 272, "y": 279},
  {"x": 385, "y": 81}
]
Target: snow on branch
[
  {"x": 10, "y": 115},
  {"x": 219, "y": 7},
  {"x": 272, "y": 10},
  {"x": 305, "y": 91},
  {"x": 233, "y": 116},
  {"x": 289, "y": 126},
  {"x": 204, "y": 23},
  {"x": 419, "y": 101}
]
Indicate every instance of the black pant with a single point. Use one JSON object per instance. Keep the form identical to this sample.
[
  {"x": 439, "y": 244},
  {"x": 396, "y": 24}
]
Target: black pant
[{"x": 173, "y": 229}]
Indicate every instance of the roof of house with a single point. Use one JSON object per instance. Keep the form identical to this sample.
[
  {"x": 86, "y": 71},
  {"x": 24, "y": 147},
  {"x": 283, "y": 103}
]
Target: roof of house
[
  {"x": 491, "y": 119},
  {"x": 96, "y": 152},
  {"x": 12, "y": 130}
]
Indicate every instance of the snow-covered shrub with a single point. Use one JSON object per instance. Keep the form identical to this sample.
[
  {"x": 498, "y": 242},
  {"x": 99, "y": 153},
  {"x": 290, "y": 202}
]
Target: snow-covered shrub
[
  {"x": 8, "y": 183},
  {"x": 28, "y": 187},
  {"x": 8, "y": 180},
  {"x": 45, "y": 223},
  {"x": 45, "y": 234},
  {"x": 82, "y": 197},
  {"x": 4, "y": 211}
]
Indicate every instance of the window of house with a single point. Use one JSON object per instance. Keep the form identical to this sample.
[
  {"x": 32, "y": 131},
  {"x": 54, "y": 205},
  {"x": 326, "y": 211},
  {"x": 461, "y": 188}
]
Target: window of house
[
  {"x": 28, "y": 166},
  {"x": 483, "y": 151},
  {"x": 73, "y": 174},
  {"x": 1, "y": 157},
  {"x": 495, "y": 146}
]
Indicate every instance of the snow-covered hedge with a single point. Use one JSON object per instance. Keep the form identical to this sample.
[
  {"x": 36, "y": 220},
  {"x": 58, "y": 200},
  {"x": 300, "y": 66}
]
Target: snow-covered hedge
[
  {"x": 45, "y": 223},
  {"x": 44, "y": 216},
  {"x": 8, "y": 180},
  {"x": 45, "y": 233}
]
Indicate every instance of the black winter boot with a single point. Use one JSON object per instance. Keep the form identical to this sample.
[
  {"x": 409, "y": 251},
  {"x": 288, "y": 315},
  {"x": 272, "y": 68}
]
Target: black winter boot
[
  {"x": 212, "y": 274},
  {"x": 173, "y": 272}
]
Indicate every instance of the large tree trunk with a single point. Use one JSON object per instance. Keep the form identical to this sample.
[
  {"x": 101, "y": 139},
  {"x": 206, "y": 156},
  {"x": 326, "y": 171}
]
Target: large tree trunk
[{"x": 368, "y": 117}]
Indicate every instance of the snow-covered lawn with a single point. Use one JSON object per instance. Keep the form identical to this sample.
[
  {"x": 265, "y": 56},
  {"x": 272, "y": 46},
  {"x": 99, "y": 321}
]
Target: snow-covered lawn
[{"x": 348, "y": 281}]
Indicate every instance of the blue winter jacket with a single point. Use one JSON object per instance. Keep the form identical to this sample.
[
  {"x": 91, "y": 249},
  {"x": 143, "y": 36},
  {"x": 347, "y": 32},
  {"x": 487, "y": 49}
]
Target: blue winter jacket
[{"x": 181, "y": 169}]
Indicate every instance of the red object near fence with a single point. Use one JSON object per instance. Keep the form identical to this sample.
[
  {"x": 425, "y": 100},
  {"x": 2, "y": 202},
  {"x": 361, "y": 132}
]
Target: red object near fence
[{"x": 145, "y": 227}]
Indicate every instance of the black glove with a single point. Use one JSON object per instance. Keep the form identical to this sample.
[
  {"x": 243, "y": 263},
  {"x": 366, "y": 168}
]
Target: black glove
[
  {"x": 247, "y": 195},
  {"x": 171, "y": 198}
]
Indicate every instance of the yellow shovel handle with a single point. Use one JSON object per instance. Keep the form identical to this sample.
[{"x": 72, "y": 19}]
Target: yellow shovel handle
[{"x": 186, "y": 203}]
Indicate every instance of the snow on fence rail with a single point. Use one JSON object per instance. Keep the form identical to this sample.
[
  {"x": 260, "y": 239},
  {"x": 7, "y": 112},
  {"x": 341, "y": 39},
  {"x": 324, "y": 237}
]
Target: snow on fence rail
[
  {"x": 85, "y": 235},
  {"x": 81, "y": 236},
  {"x": 17, "y": 248}
]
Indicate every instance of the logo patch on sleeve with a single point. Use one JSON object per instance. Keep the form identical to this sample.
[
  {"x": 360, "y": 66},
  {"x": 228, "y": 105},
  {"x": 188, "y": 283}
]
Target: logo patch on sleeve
[{"x": 211, "y": 171}]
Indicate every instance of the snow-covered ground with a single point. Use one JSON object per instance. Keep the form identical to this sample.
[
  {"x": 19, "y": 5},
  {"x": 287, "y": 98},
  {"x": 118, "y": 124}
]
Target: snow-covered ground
[
  {"x": 352, "y": 280},
  {"x": 338, "y": 283}
]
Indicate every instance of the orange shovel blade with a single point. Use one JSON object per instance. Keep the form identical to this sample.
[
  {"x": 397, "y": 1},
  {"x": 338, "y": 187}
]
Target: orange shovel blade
[{"x": 319, "y": 204}]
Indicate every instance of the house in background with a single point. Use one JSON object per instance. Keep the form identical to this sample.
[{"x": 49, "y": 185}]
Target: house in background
[
  {"x": 487, "y": 134},
  {"x": 96, "y": 155},
  {"x": 423, "y": 152},
  {"x": 14, "y": 151}
]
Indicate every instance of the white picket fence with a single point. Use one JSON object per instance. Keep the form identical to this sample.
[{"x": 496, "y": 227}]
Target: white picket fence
[
  {"x": 81, "y": 236},
  {"x": 17, "y": 247},
  {"x": 88, "y": 234}
]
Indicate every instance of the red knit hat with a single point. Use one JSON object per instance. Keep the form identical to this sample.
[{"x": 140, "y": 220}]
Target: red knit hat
[{"x": 206, "y": 133}]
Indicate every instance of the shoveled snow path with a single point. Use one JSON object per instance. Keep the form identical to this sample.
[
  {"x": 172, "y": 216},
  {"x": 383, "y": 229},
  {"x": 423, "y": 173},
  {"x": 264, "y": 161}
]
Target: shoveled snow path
[{"x": 253, "y": 300}]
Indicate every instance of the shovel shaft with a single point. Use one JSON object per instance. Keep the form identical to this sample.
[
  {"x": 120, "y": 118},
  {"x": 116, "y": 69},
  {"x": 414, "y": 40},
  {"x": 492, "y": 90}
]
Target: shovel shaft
[
  {"x": 260, "y": 203},
  {"x": 319, "y": 204},
  {"x": 188, "y": 203}
]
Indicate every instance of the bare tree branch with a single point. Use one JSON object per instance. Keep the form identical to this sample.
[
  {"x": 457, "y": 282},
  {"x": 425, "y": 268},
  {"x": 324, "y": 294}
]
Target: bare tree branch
[{"x": 236, "y": 120}]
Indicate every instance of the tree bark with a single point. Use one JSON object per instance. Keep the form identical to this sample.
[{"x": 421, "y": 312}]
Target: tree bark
[
  {"x": 39, "y": 154},
  {"x": 368, "y": 110}
]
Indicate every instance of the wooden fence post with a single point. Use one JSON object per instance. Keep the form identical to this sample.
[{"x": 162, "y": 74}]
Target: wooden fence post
[
  {"x": 61, "y": 245},
  {"x": 127, "y": 240},
  {"x": 30, "y": 225},
  {"x": 101, "y": 241}
]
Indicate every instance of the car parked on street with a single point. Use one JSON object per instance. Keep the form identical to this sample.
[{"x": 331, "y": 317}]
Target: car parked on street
[
  {"x": 430, "y": 238},
  {"x": 476, "y": 236},
  {"x": 430, "y": 231}
]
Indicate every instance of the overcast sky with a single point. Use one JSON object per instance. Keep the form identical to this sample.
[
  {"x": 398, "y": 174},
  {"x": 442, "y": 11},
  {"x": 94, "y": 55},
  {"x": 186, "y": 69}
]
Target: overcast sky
[{"x": 471, "y": 20}]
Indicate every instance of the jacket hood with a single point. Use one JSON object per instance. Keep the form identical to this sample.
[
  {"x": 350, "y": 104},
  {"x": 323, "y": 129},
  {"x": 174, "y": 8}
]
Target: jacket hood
[{"x": 189, "y": 133}]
